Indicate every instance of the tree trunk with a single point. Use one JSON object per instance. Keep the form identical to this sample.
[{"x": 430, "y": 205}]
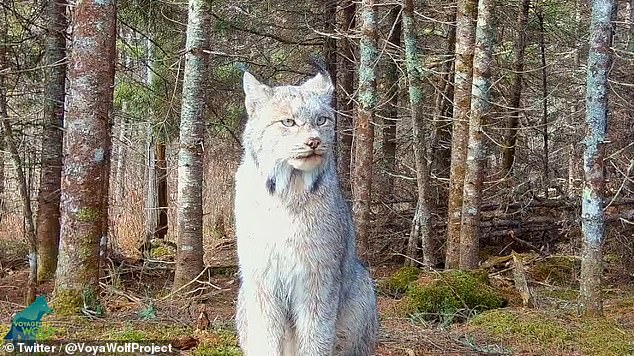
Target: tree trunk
[
  {"x": 50, "y": 177},
  {"x": 390, "y": 117},
  {"x": 119, "y": 173},
  {"x": 364, "y": 129},
  {"x": 346, "y": 101},
  {"x": 189, "y": 259},
  {"x": 421, "y": 224},
  {"x": 151, "y": 197},
  {"x": 161, "y": 185},
  {"x": 86, "y": 149},
  {"x": 592, "y": 218},
  {"x": 544, "y": 121},
  {"x": 480, "y": 108},
  {"x": 508, "y": 151},
  {"x": 465, "y": 38},
  {"x": 330, "y": 45}
]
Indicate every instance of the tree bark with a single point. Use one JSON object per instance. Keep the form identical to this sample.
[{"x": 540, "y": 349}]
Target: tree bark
[
  {"x": 86, "y": 150},
  {"x": 544, "y": 121},
  {"x": 330, "y": 45},
  {"x": 50, "y": 177},
  {"x": 421, "y": 224},
  {"x": 465, "y": 39},
  {"x": 508, "y": 151},
  {"x": 364, "y": 129},
  {"x": 592, "y": 218},
  {"x": 480, "y": 108},
  {"x": 189, "y": 258},
  {"x": 346, "y": 102},
  {"x": 161, "y": 185},
  {"x": 390, "y": 117}
]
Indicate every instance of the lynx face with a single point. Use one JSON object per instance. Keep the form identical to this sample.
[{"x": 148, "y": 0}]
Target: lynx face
[{"x": 289, "y": 125}]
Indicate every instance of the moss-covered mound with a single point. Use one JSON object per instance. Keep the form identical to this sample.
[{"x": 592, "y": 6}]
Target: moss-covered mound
[
  {"x": 396, "y": 285},
  {"x": 452, "y": 296},
  {"x": 541, "y": 333}
]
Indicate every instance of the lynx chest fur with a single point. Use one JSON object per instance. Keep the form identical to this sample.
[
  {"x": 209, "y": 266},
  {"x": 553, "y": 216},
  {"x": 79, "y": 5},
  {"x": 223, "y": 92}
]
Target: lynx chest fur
[{"x": 303, "y": 291}]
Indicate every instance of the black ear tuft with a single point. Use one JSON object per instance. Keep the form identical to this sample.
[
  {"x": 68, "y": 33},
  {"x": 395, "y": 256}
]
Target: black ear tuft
[{"x": 319, "y": 63}]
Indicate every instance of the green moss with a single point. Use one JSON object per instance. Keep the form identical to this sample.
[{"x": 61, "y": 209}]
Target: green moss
[
  {"x": 221, "y": 343},
  {"x": 563, "y": 294},
  {"x": 47, "y": 331},
  {"x": 602, "y": 337},
  {"x": 70, "y": 302},
  {"x": 129, "y": 334},
  {"x": 551, "y": 333},
  {"x": 558, "y": 270},
  {"x": 398, "y": 283},
  {"x": 452, "y": 296},
  {"x": 88, "y": 214},
  {"x": 67, "y": 302},
  {"x": 161, "y": 251}
]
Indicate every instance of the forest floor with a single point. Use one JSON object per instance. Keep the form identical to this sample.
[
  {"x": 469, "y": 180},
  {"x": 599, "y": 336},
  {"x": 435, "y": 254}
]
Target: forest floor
[{"x": 138, "y": 306}]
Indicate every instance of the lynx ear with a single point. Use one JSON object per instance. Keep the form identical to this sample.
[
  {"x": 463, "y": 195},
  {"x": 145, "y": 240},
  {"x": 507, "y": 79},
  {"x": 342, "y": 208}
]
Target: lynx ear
[
  {"x": 254, "y": 91},
  {"x": 321, "y": 84}
]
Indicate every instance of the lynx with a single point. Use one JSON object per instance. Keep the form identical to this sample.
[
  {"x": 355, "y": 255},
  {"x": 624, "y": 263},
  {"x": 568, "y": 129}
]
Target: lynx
[{"x": 303, "y": 292}]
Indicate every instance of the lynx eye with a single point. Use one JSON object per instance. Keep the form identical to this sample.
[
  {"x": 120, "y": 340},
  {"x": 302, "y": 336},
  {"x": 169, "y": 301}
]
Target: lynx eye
[
  {"x": 321, "y": 120},
  {"x": 288, "y": 122}
]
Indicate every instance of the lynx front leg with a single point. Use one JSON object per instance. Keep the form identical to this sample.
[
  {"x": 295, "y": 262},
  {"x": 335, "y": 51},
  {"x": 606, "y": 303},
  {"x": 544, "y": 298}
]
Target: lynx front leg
[
  {"x": 315, "y": 321},
  {"x": 261, "y": 323}
]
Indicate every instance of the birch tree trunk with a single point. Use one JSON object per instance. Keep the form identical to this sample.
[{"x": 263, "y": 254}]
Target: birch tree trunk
[
  {"x": 86, "y": 151},
  {"x": 480, "y": 108},
  {"x": 189, "y": 258},
  {"x": 421, "y": 224},
  {"x": 364, "y": 129},
  {"x": 50, "y": 177},
  {"x": 592, "y": 218},
  {"x": 151, "y": 195},
  {"x": 465, "y": 38},
  {"x": 508, "y": 151},
  {"x": 346, "y": 102}
]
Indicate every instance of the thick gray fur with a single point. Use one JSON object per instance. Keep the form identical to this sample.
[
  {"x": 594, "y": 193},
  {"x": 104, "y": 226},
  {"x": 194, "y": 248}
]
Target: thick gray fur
[{"x": 303, "y": 291}]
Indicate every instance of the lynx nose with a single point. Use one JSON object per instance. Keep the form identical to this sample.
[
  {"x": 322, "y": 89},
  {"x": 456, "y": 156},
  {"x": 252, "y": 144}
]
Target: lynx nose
[{"x": 313, "y": 142}]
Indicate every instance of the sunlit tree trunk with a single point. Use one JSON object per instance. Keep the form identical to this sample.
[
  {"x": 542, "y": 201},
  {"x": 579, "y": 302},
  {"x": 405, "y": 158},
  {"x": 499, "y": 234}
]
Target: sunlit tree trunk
[
  {"x": 391, "y": 113},
  {"x": 465, "y": 39},
  {"x": 364, "y": 129},
  {"x": 508, "y": 151},
  {"x": 346, "y": 102},
  {"x": 189, "y": 258},
  {"x": 86, "y": 150},
  {"x": 421, "y": 224},
  {"x": 480, "y": 108},
  {"x": 592, "y": 218}
]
